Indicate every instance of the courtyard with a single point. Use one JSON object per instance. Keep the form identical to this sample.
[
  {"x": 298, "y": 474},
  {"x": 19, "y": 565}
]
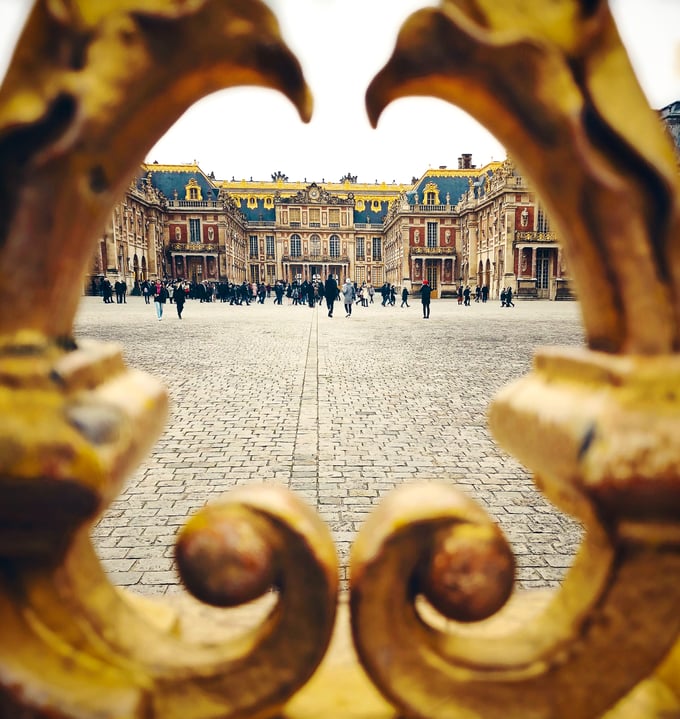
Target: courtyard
[{"x": 340, "y": 410}]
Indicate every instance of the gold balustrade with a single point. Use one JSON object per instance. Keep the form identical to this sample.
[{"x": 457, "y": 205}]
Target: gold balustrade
[{"x": 91, "y": 87}]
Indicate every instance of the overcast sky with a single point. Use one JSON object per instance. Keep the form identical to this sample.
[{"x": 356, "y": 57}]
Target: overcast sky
[{"x": 249, "y": 132}]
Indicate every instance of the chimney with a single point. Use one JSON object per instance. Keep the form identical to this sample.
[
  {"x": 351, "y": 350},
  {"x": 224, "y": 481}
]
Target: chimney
[{"x": 465, "y": 162}]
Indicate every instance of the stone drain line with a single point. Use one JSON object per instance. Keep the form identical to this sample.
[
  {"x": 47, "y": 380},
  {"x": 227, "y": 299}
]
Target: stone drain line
[{"x": 304, "y": 473}]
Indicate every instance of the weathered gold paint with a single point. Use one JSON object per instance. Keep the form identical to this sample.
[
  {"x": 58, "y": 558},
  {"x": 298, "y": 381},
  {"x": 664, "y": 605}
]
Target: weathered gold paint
[
  {"x": 92, "y": 85},
  {"x": 599, "y": 429}
]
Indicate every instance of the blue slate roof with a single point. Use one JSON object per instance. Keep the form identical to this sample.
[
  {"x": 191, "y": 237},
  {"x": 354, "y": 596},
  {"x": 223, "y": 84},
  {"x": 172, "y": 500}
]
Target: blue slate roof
[
  {"x": 368, "y": 216},
  {"x": 455, "y": 185},
  {"x": 169, "y": 181},
  {"x": 259, "y": 213}
]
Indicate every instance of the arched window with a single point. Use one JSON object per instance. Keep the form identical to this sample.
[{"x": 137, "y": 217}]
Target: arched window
[
  {"x": 315, "y": 245},
  {"x": 295, "y": 246},
  {"x": 334, "y": 246}
]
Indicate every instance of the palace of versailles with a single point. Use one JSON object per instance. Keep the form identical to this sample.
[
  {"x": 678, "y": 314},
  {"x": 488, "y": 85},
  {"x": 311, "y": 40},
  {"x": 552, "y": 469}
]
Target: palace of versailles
[{"x": 466, "y": 225}]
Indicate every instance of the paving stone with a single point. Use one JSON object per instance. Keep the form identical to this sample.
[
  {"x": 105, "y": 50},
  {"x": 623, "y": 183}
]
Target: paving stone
[{"x": 341, "y": 412}]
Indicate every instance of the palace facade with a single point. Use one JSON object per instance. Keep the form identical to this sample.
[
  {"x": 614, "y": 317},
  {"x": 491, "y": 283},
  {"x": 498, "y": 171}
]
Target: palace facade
[{"x": 451, "y": 226}]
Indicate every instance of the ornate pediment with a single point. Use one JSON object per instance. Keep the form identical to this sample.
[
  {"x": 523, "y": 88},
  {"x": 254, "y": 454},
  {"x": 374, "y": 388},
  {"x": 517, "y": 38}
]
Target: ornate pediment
[{"x": 314, "y": 194}]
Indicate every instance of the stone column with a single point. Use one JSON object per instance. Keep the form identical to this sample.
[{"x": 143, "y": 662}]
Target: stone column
[{"x": 473, "y": 259}]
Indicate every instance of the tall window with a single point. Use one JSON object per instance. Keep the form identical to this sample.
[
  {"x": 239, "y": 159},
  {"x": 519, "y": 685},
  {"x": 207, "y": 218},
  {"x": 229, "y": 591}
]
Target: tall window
[
  {"x": 377, "y": 248},
  {"x": 195, "y": 231},
  {"x": 294, "y": 216},
  {"x": 542, "y": 223},
  {"x": 431, "y": 234},
  {"x": 254, "y": 250},
  {"x": 315, "y": 245},
  {"x": 334, "y": 217},
  {"x": 269, "y": 245},
  {"x": 295, "y": 246},
  {"x": 430, "y": 198},
  {"x": 335, "y": 246},
  {"x": 361, "y": 248},
  {"x": 314, "y": 217}
]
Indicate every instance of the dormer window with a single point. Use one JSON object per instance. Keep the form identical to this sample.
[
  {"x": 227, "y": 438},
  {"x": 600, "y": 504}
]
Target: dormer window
[
  {"x": 192, "y": 191},
  {"x": 431, "y": 194}
]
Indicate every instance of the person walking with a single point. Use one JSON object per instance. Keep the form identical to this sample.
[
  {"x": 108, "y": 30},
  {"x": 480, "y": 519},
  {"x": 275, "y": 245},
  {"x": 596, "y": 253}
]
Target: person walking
[
  {"x": 180, "y": 297},
  {"x": 348, "y": 295},
  {"x": 425, "y": 292},
  {"x": 508, "y": 297},
  {"x": 159, "y": 299},
  {"x": 404, "y": 297}
]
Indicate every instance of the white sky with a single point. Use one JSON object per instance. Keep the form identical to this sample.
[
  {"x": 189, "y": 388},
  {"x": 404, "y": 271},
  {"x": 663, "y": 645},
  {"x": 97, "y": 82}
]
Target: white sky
[{"x": 342, "y": 44}]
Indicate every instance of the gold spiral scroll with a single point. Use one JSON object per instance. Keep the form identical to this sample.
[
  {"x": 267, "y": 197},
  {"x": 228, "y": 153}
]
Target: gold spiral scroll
[
  {"x": 72, "y": 645},
  {"x": 554, "y": 83},
  {"x": 599, "y": 426},
  {"x": 571, "y": 659}
]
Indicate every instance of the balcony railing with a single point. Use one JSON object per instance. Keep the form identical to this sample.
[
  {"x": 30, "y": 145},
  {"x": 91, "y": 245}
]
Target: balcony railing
[
  {"x": 315, "y": 259},
  {"x": 535, "y": 237},
  {"x": 193, "y": 247},
  {"x": 447, "y": 209},
  {"x": 439, "y": 251},
  {"x": 212, "y": 204}
]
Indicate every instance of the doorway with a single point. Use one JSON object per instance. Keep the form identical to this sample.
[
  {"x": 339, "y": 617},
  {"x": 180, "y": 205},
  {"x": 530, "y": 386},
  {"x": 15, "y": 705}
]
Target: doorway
[
  {"x": 543, "y": 257},
  {"x": 432, "y": 275}
]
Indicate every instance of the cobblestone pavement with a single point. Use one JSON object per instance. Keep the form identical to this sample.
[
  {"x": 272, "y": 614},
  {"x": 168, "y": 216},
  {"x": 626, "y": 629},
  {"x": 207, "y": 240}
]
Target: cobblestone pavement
[{"x": 340, "y": 410}]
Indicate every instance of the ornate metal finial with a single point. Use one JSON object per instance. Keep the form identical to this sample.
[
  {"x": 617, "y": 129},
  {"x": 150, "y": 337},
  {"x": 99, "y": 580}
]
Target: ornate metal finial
[
  {"x": 571, "y": 102},
  {"x": 90, "y": 89},
  {"x": 596, "y": 427}
]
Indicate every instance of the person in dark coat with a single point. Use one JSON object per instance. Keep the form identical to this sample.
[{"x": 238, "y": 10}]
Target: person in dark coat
[
  {"x": 331, "y": 293},
  {"x": 180, "y": 296},
  {"x": 425, "y": 292},
  {"x": 404, "y": 297}
]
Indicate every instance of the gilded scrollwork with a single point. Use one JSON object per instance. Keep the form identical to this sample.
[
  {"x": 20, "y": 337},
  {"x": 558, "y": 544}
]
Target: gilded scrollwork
[
  {"x": 554, "y": 83},
  {"x": 91, "y": 87}
]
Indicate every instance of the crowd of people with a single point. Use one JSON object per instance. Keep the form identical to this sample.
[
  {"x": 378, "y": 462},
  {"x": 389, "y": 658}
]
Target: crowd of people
[{"x": 304, "y": 293}]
